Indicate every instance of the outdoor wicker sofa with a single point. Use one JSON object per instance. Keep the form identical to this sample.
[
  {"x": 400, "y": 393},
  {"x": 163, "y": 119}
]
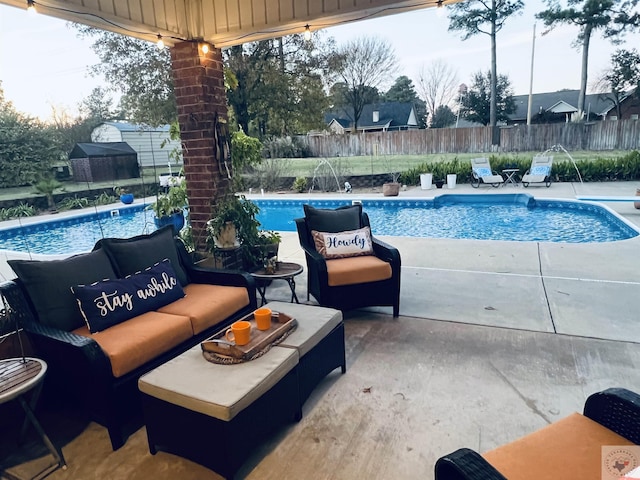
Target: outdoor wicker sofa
[
  {"x": 100, "y": 371},
  {"x": 569, "y": 448}
]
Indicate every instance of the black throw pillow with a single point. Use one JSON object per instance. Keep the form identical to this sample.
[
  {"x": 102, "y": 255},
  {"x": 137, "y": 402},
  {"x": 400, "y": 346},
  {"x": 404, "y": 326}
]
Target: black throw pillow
[
  {"x": 341, "y": 219},
  {"x": 131, "y": 255},
  {"x": 48, "y": 284}
]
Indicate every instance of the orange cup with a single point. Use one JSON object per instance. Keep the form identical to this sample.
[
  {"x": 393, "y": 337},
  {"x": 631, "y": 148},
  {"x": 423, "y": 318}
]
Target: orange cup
[
  {"x": 239, "y": 332},
  {"x": 263, "y": 318}
]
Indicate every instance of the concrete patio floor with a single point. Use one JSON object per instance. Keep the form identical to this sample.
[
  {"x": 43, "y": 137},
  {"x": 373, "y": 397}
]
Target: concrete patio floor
[{"x": 495, "y": 340}]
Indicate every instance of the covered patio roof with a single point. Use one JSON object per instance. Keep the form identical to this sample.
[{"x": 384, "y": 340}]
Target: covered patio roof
[{"x": 222, "y": 23}]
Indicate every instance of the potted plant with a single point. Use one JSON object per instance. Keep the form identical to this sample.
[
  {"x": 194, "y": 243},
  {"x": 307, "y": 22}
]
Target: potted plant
[
  {"x": 125, "y": 196},
  {"x": 234, "y": 225},
  {"x": 169, "y": 207},
  {"x": 392, "y": 188}
]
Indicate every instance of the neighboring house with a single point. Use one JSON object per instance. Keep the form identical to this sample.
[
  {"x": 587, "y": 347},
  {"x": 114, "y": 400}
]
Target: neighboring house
[
  {"x": 145, "y": 140},
  {"x": 99, "y": 162},
  {"x": 375, "y": 117},
  {"x": 554, "y": 107}
]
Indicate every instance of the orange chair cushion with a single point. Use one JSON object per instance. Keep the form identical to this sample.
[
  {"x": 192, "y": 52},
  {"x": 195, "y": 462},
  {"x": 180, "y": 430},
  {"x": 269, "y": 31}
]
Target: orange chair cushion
[
  {"x": 133, "y": 343},
  {"x": 354, "y": 270},
  {"x": 208, "y": 305},
  {"x": 569, "y": 448}
]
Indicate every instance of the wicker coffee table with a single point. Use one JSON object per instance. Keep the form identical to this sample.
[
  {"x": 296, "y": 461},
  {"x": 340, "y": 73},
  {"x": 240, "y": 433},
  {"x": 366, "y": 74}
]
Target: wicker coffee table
[{"x": 285, "y": 271}]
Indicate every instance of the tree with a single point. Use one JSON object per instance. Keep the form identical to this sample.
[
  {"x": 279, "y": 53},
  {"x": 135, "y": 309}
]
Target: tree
[
  {"x": 362, "y": 64},
  {"x": 27, "y": 147},
  {"x": 280, "y": 85},
  {"x": 438, "y": 86},
  {"x": 487, "y": 17},
  {"x": 475, "y": 105},
  {"x": 403, "y": 91},
  {"x": 139, "y": 70},
  {"x": 99, "y": 106},
  {"x": 443, "y": 117},
  {"x": 611, "y": 16},
  {"x": 622, "y": 79}
]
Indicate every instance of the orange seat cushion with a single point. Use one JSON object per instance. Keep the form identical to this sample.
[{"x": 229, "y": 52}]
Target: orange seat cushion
[
  {"x": 133, "y": 343},
  {"x": 571, "y": 445},
  {"x": 208, "y": 305},
  {"x": 353, "y": 270}
]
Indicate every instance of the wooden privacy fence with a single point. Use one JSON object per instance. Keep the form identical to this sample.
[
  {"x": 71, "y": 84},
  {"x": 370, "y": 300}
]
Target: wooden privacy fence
[{"x": 599, "y": 136}]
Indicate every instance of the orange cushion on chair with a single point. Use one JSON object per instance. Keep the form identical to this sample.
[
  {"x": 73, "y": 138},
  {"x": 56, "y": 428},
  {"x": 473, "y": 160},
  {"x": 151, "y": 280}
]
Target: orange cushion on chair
[
  {"x": 569, "y": 448},
  {"x": 354, "y": 270}
]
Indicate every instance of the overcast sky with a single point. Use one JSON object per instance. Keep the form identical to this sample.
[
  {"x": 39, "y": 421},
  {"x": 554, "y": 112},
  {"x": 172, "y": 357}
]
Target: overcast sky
[{"x": 43, "y": 64}]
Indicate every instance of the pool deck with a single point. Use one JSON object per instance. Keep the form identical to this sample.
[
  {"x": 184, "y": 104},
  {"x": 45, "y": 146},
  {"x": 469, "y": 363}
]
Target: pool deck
[
  {"x": 588, "y": 290},
  {"x": 495, "y": 340},
  {"x": 546, "y": 287}
]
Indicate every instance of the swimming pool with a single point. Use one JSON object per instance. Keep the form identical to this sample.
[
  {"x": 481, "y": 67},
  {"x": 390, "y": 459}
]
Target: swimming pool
[
  {"x": 77, "y": 233},
  {"x": 515, "y": 217}
]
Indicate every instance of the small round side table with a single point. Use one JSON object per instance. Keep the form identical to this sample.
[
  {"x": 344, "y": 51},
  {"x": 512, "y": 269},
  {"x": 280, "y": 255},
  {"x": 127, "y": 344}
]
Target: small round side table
[{"x": 284, "y": 271}]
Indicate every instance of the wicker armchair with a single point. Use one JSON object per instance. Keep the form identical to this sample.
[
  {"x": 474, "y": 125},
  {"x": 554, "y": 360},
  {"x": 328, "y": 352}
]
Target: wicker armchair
[
  {"x": 615, "y": 409},
  {"x": 385, "y": 292}
]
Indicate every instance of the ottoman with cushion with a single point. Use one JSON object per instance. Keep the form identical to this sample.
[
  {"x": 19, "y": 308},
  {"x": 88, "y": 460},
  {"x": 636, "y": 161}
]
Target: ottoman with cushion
[
  {"x": 215, "y": 415},
  {"x": 319, "y": 340}
]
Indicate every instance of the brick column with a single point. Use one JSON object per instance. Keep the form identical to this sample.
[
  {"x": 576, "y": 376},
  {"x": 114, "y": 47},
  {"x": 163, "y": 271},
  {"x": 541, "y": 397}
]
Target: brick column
[{"x": 202, "y": 114}]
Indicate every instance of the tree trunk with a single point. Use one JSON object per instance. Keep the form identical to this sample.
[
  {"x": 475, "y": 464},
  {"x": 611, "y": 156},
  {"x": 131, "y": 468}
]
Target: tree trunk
[
  {"x": 585, "y": 64},
  {"x": 493, "y": 117},
  {"x": 281, "y": 55}
]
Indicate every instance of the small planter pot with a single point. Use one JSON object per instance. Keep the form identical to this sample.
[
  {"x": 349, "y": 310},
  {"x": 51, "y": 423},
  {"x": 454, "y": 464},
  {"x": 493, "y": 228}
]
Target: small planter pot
[
  {"x": 227, "y": 238},
  {"x": 126, "y": 198},
  {"x": 426, "y": 179},
  {"x": 175, "y": 219},
  {"x": 391, "y": 189},
  {"x": 439, "y": 183}
]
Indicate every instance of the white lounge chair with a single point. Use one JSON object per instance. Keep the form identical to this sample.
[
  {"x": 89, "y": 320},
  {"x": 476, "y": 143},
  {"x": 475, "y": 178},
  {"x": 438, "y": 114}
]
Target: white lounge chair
[
  {"x": 540, "y": 171},
  {"x": 481, "y": 173}
]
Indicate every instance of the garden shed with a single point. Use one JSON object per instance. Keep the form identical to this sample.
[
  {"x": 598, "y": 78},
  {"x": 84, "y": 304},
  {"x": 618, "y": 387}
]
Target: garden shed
[
  {"x": 152, "y": 144},
  {"x": 99, "y": 162}
]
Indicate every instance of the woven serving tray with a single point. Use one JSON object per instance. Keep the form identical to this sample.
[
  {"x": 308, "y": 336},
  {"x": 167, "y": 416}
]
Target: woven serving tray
[{"x": 281, "y": 323}]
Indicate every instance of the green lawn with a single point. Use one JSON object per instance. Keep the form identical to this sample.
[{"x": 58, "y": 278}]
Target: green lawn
[
  {"x": 368, "y": 165},
  {"x": 304, "y": 167}
]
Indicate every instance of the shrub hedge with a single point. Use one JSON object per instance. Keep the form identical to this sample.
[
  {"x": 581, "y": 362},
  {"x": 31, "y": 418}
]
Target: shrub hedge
[{"x": 600, "y": 169}]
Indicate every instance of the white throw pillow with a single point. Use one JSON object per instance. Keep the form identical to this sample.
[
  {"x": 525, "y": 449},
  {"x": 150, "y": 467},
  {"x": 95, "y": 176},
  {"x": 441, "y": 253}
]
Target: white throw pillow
[{"x": 343, "y": 244}]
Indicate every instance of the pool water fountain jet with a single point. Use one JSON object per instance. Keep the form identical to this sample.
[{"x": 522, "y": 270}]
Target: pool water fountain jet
[
  {"x": 560, "y": 148},
  {"x": 324, "y": 163}
]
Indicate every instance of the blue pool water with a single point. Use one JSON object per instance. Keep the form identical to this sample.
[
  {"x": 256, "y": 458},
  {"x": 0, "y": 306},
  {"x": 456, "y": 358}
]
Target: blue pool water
[
  {"x": 516, "y": 217},
  {"x": 79, "y": 233}
]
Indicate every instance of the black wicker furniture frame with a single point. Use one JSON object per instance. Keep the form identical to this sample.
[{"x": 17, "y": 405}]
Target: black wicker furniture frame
[
  {"x": 617, "y": 409},
  {"x": 80, "y": 371}
]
